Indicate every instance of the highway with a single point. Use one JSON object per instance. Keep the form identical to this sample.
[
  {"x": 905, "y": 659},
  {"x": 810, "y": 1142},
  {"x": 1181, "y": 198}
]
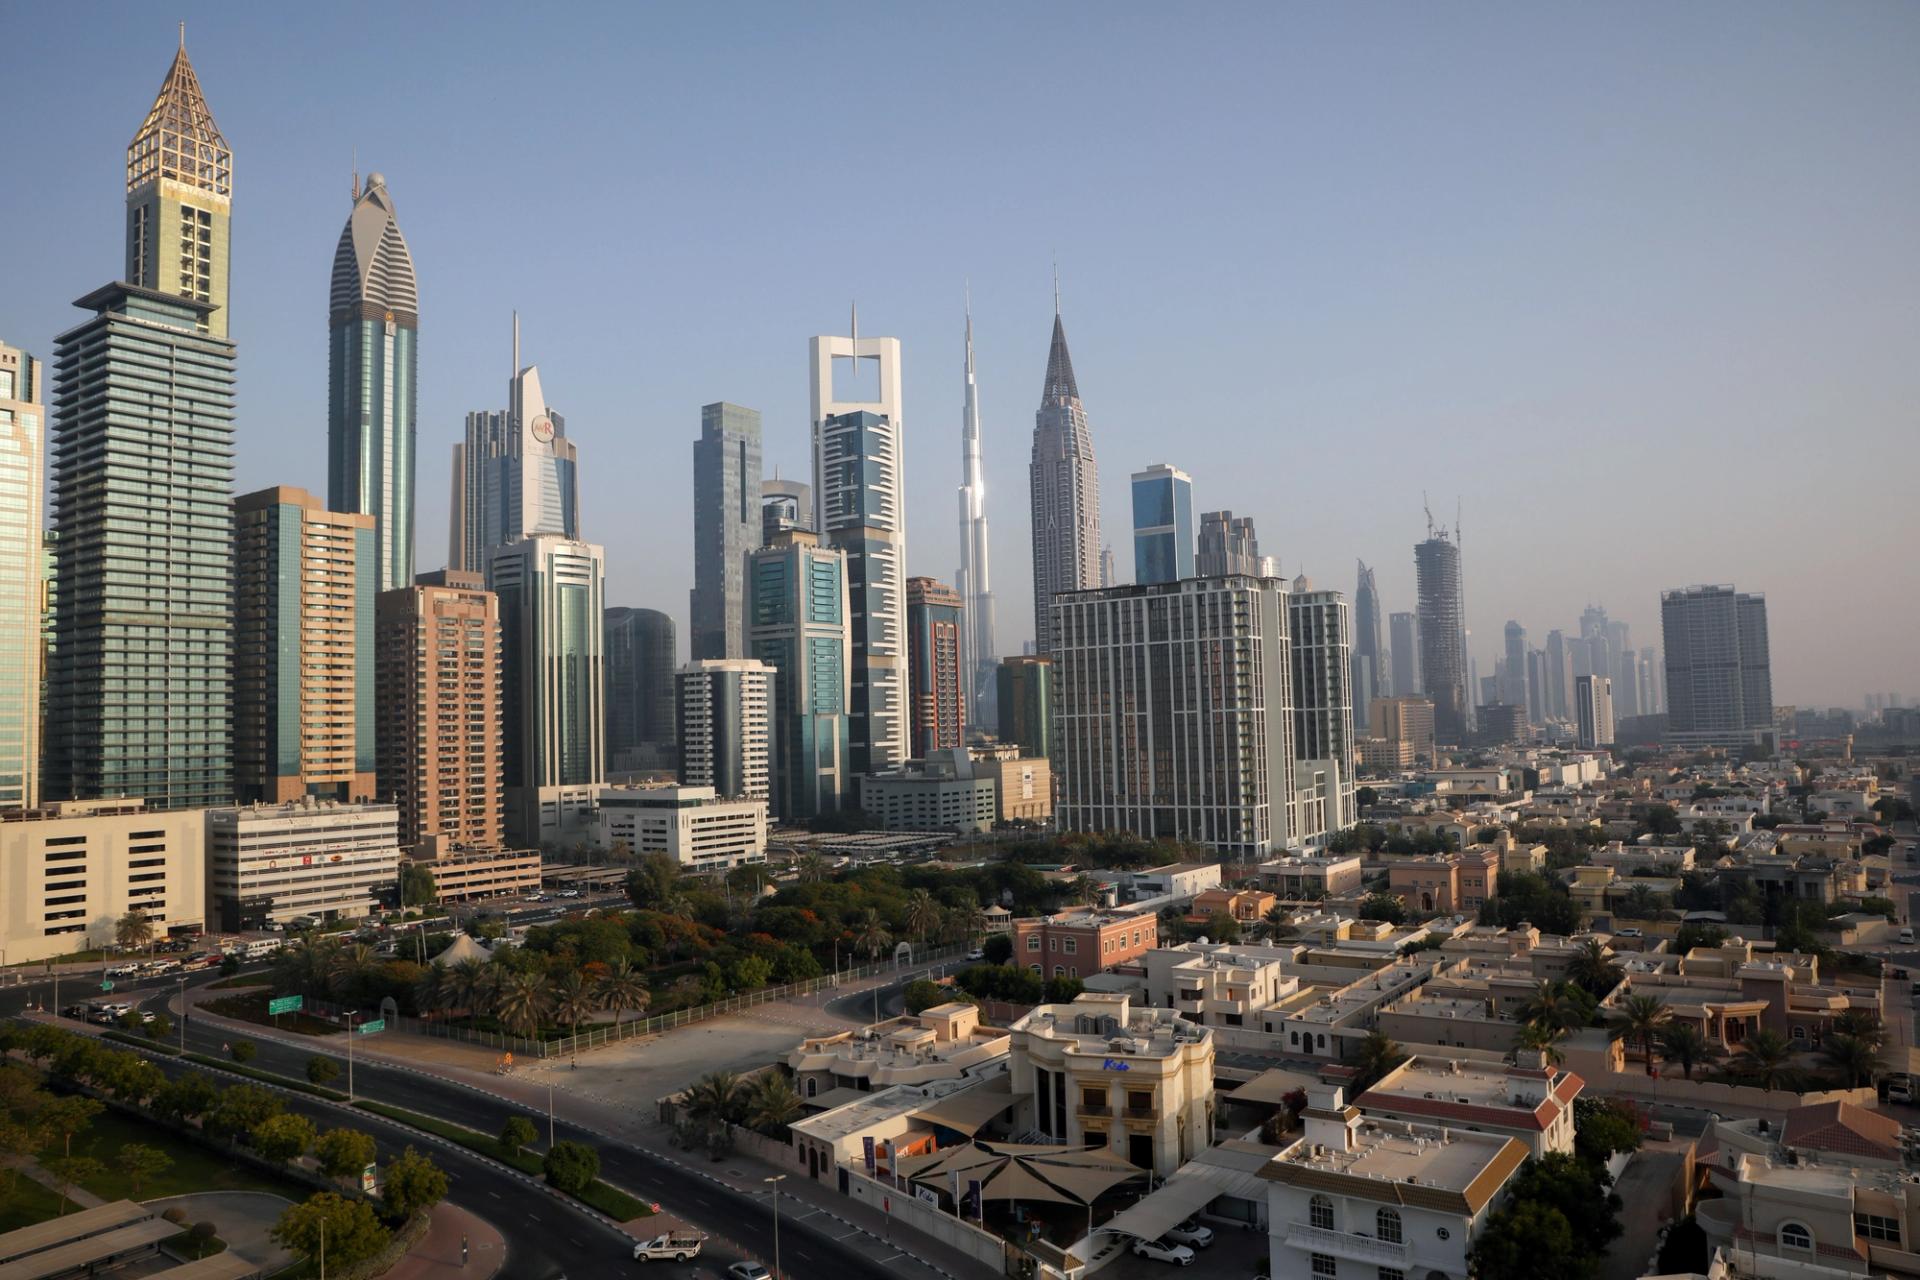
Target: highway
[{"x": 541, "y": 1231}]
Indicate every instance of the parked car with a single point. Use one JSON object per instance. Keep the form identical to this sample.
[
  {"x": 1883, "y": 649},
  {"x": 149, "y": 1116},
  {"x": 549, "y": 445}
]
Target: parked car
[
  {"x": 1628, "y": 933},
  {"x": 1164, "y": 1250},
  {"x": 977, "y": 953},
  {"x": 1191, "y": 1232},
  {"x": 748, "y": 1271},
  {"x": 76, "y": 1011}
]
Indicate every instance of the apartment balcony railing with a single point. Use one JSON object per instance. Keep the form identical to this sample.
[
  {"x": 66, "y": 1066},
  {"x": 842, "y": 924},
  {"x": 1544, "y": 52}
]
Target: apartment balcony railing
[{"x": 1345, "y": 1244}]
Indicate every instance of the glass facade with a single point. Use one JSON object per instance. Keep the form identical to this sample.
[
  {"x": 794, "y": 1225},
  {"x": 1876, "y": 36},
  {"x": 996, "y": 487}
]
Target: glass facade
[
  {"x": 22, "y": 459},
  {"x": 1163, "y": 536},
  {"x": 726, "y": 528},
  {"x": 798, "y": 625}
]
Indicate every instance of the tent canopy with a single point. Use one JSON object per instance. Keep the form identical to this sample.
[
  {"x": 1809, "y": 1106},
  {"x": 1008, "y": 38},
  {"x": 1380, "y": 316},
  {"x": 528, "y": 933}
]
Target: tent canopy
[
  {"x": 969, "y": 1109},
  {"x": 1176, "y": 1200},
  {"x": 1018, "y": 1171}
]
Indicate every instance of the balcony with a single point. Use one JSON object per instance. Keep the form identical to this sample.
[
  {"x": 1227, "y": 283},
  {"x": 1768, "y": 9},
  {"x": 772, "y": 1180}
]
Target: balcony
[
  {"x": 1093, "y": 1111},
  {"x": 1344, "y": 1244}
]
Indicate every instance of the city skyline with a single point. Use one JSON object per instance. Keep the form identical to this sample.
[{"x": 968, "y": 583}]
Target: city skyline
[{"x": 1590, "y": 371}]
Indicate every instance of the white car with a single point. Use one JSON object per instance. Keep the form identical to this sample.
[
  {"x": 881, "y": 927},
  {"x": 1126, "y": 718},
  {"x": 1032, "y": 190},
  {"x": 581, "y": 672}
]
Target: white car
[
  {"x": 748, "y": 1271},
  {"x": 1191, "y": 1232},
  {"x": 1164, "y": 1250},
  {"x": 978, "y": 953}
]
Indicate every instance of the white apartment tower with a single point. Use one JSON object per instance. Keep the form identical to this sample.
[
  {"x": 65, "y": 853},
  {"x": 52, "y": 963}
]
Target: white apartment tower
[
  {"x": 1173, "y": 713},
  {"x": 724, "y": 720},
  {"x": 857, "y": 473},
  {"x": 1319, "y": 634},
  {"x": 1593, "y": 711}
]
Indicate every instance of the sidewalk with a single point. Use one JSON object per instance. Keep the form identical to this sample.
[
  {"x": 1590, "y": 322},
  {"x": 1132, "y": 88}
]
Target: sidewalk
[
  {"x": 906, "y": 1252},
  {"x": 77, "y": 1196},
  {"x": 437, "y": 1256}
]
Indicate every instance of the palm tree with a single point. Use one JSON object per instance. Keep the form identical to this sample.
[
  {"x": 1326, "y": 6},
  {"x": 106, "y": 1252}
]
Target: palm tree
[
  {"x": 623, "y": 989},
  {"x": 716, "y": 1097},
  {"x": 1542, "y": 1037},
  {"x": 676, "y": 904},
  {"x": 521, "y": 1003},
  {"x": 811, "y": 866},
  {"x": 923, "y": 913},
  {"x": 1764, "y": 1055},
  {"x": 574, "y": 997},
  {"x": 1640, "y": 1018},
  {"x": 133, "y": 931},
  {"x": 347, "y": 964},
  {"x": 1375, "y": 1056},
  {"x": 434, "y": 989},
  {"x": 1593, "y": 968},
  {"x": 1086, "y": 889},
  {"x": 1684, "y": 1043},
  {"x": 469, "y": 984},
  {"x": 1858, "y": 1058},
  {"x": 970, "y": 921},
  {"x": 1861, "y": 1024},
  {"x": 1550, "y": 1007},
  {"x": 1280, "y": 925},
  {"x": 773, "y": 1104},
  {"x": 871, "y": 935}
]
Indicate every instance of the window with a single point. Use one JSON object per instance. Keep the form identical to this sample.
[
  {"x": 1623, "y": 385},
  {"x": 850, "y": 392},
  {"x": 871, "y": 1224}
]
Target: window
[
  {"x": 1139, "y": 1100},
  {"x": 1320, "y": 1213},
  {"x": 1035, "y": 968},
  {"x": 1033, "y": 942},
  {"x": 1059, "y": 971},
  {"x": 1093, "y": 1097},
  {"x": 1325, "y": 1266},
  {"x": 1877, "y": 1228},
  {"x": 1387, "y": 1225},
  {"x": 1794, "y": 1235},
  {"x": 1069, "y": 945},
  {"x": 1392, "y": 1273}
]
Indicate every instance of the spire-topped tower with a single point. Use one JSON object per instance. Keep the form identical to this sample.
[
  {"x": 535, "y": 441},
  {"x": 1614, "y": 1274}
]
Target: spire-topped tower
[
  {"x": 180, "y": 196},
  {"x": 1065, "y": 488},
  {"x": 373, "y": 318},
  {"x": 979, "y": 651}
]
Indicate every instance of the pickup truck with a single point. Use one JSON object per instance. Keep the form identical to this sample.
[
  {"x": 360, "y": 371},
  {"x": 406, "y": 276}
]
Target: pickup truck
[{"x": 678, "y": 1247}]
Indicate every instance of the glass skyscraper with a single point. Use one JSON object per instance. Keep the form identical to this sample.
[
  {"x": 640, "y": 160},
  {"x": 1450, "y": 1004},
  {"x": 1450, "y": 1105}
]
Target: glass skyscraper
[
  {"x": 797, "y": 624},
  {"x": 373, "y": 318},
  {"x": 726, "y": 528},
  {"x": 140, "y": 682},
  {"x": 23, "y": 447},
  {"x": 640, "y": 667},
  {"x": 1163, "y": 538}
]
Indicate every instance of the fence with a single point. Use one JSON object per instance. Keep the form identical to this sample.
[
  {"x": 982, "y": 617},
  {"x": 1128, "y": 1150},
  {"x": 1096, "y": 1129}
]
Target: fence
[{"x": 596, "y": 1037}]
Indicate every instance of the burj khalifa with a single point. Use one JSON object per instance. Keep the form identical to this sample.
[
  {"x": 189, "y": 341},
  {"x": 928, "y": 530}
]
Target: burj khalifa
[{"x": 979, "y": 656}]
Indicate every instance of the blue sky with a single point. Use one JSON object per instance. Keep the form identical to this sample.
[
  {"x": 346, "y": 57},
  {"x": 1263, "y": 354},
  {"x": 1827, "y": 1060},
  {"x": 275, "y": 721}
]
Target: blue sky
[{"x": 1635, "y": 284}]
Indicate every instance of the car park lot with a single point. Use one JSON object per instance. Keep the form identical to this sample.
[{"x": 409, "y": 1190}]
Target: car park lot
[{"x": 1236, "y": 1253}]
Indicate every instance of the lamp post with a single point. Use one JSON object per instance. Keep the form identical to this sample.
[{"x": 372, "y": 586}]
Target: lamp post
[
  {"x": 350, "y": 1015},
  {"x": 775, "y": 1182},
  {"x": 549, "y": 1115},
  {"x": 183, "y": 1013}
]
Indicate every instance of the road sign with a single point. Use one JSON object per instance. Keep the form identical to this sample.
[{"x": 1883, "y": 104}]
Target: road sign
[
  {"x": 285, "y": 1004},
  {"x": 106, "y": 984},
  {"x": 369, "y": 1181},
  {"x": 368, "y": 1028}
]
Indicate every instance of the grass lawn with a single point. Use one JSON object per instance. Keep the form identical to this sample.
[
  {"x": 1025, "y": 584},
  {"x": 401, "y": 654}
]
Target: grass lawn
[
  {"x": 195, "y": 1168},
  {"x": 251, "y": 1006},
  {"x": 29, "y": 1203},
  {"x": 240, "y": 980}
]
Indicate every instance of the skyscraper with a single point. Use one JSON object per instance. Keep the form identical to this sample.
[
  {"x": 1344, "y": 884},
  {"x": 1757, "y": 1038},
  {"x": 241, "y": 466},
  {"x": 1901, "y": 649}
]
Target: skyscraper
[
  {"x": 1719, "y": 673},
  {"x": 936, "y": 621},
  {"x": 139, "y": 692},
  {"x": 439, "y": 741},
  {"x": 1319, "y": 640},
  {"x": 1650, "y": 682},
  {"x": 373, "y": 319},
  {"x": 784, "y": 505},
  {"x": 857, "y": 492},
  {"x": 1064, "y": 488},
  {"x": 1369, "y": 680},
  {"x": 726, "y": 528},
  {"x": 797, "y": 624},
  {"x": 1026, "y": 703},
  {"x": 1558, "y": 676},
  {"x": 303, "y": 623},
  {"x": 1163, "y": 539},
  {"x": 725, "y": 710},
  {"x": 23, "y": 457},
  {"x": 1514, "y": 673},
  {"x": 1129, "y": 758},
  {"x": 1227, "y": 546},
  {"x": 640, "y": 666},
  {"x": 1404, "y": 629},
  {"x": 1443, "y": 659},
  {"x": 979, "y": 650},
  {"x": 1593, "y": 711},
  {"x": 516, "y": 474},
  {"x": 552, "y": 594},
  {"x": 180, "y": 199}
]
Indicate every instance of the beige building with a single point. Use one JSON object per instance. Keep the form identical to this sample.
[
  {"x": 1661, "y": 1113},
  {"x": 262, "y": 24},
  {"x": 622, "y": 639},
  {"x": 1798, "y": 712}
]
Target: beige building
[
  {"x": 462, "y": 875},
  {"x": 1403, "y": 720},
  {"x": 69, "y": 872},
  {"x": 306, "y": 859},
  {"x": 1530, "y": 1102},
  {"x": 1101, "y": 1073},
  {"x": 946, "y": 1042},
  {"x": 698, "y": 829},
  {"x": 23, "y": 448},
  {"x": 1023, "y": 786},
  {"x": 1329, "y": 875},
  {"x": 437, "y": 669},
  {"x": 302, "y": 672}
]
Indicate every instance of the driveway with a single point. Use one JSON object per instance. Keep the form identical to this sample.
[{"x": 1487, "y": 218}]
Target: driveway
[
  {"x": 1645, "y": 1188},
  {"x": 243, "y": 1219}
]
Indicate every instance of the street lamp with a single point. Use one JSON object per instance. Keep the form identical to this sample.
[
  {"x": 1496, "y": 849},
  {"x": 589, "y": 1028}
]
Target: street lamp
[
  {"x": 775, "y": 1182},
  {"x": 183, "y": 1013},
  {"x": 350, "y": 1017}
]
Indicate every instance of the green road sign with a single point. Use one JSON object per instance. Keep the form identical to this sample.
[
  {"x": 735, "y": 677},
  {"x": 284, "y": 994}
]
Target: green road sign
[
  {"x": 368, "y": 1028},
  {"x": 285, "y": 1004},
  {"x": 106, "y": 984}
]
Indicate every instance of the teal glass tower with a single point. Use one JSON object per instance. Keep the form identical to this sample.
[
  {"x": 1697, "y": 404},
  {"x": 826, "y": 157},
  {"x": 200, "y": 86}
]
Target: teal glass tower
[
  {"x": 798, "y": 625},
  {"x": 140, "y": 678},
  {"x": 1163, "y": 539},
  {"x": 373, "y": 317}
]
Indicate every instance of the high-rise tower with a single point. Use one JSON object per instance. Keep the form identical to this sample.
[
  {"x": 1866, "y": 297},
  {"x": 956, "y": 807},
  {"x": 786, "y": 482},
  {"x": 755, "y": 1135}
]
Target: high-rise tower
[
  {"x": 515, "y": 475},
  {"x": 1369, "y": 673},
  {"x": 857, "y": 491},
  {"x": 726, "y": 528},
  {"x": 1065, "y": 490},
  {"x": 180, "y": 198},
  {"x": 1403, "y": 630},
  {"x": 1163, "y": 539},
  {"x": 1443, "y": 661},
  {"x": 23, "y": 460},
  {"x": 373, "y": 320},
  {"x": 797, "y": 594},
  {"x": 936, "y": 623},
  {"x": 1719, "y": 671},
  {"x": 1227, "y": 546},
  {"x": 979, "y": 651}
]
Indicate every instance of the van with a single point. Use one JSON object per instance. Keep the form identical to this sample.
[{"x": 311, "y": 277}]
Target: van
[{"x": 1906, "y": 934}]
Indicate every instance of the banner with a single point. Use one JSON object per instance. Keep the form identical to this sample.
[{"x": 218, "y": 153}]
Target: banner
[{"x": 867, "y": 1145}]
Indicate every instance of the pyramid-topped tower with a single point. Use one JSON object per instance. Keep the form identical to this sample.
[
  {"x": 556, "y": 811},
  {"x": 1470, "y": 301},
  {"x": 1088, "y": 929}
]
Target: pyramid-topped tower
[{"x": 180, "y": 196}]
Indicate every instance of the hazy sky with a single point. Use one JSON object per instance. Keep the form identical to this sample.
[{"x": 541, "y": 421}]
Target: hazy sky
[{"x": 1636, "y": 285}]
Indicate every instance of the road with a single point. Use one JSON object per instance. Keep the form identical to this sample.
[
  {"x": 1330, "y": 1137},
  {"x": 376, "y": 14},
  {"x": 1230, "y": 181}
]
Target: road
[{"x": 739, "y": 1226}]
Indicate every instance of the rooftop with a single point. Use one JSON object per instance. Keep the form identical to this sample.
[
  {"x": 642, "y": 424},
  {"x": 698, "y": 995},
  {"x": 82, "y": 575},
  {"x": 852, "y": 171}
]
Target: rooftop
[
  {"x": 1106, "y": 1025},
  {"x": 1403, "y": 1157},
  {"x": 1465, "y": 1091}
]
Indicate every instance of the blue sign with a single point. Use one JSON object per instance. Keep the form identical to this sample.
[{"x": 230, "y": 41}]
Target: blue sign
[{"x": 1114, "y": 1064}]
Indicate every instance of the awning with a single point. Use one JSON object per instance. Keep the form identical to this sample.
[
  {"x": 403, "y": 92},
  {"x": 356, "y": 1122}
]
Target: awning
[
  {"x": 1016, "y": 1171},
  {"x": 1176, "y": 1200},
  {"x": 1272, "y": 1086},
  {"x": 832, "y": 1098},
  {"x": 969, "y": 1109}
]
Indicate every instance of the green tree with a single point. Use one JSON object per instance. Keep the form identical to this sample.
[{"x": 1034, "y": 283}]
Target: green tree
[
  {"x": 243, "y": 1051},
  {"x": 1526, "y": 1241},
  {"x": 716, "y": 1097},
  {"x": 921, "y": 994},
  {"x": 321, "y": 1069},
  {"x": 1594, "y": 969},
  {"x": 142, "y": 1162},
  {"x": 1541, "y": 1037},
  {"x": 998, "y": 948},
  {"x": 240, "y": 1109},
  {"x": 624, "y": 990},
  {"x": 70, "y": 1172},
  {"x": 281, "y": 1138},
  {"x": 1551, "y": 1006},
  {"x": 161, "y": 1028},
  {"x": 871, "y": 935},
  {"x": 574, "y": 997},
  {"x": 344, "y": 1153},
  {"x": 1063, "y": 989},
  {"x": 417, "y": 888},
  {"x": 66, "y": 1115},
  {"x": 1374, "y": 1057},
  {"x": 922, "y": 914},
  {"x": 348, "y": 1230},
  {"x": 516, "y": 1134},
  {"x": 772, "y": 1105},
  {"x": 571, "y": 1166},
  {"x": 1858, "y": 1059},
  {"x": 1579, "y": 1189},
  {"x": 1763, "y": 1055},
  {"x": 187, "y": 1097},
  {"x": 132, "y": 931},
  {"x": 522, "y": 1002},
  {"x": 1683, "y": 1042},
  {"x": 651, "y": 881},
  {"x": 1604, "y": 1127},
  {"x": 811, "y": 867},
  {"x": 1383, "y": 907},
  {"x": 413, "y": 1184},
  {"x": 1641, "y": 1018}
]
